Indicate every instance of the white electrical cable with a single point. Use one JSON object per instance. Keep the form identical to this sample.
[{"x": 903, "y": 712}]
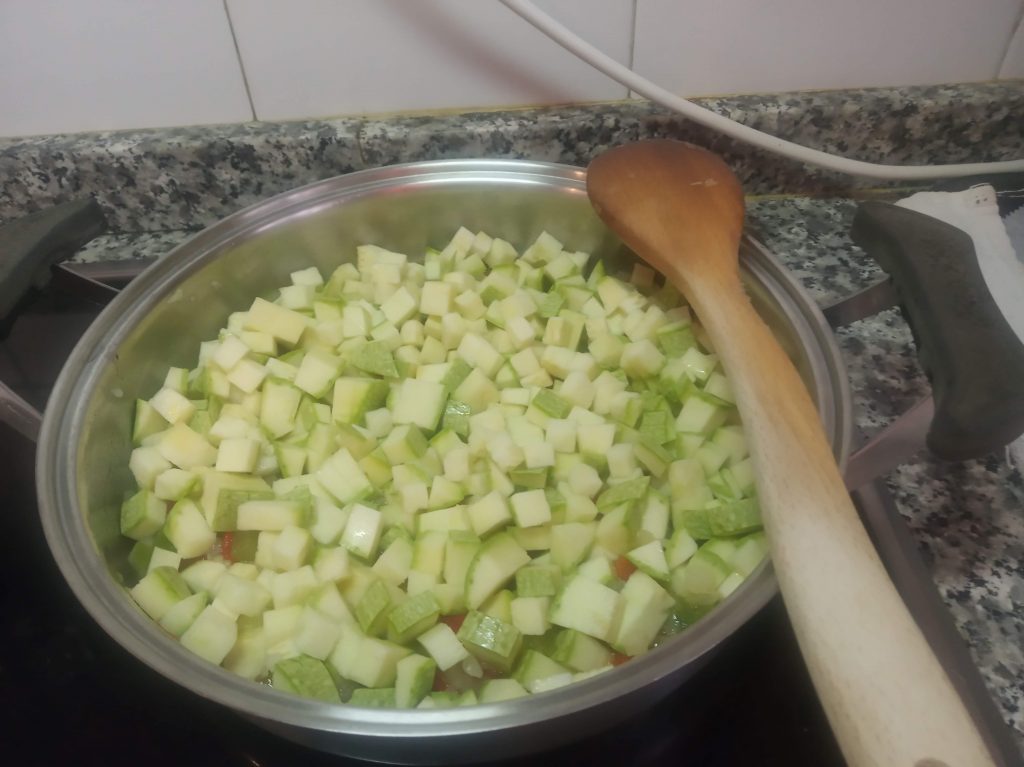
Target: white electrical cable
[{"x": 599, "y": 60}]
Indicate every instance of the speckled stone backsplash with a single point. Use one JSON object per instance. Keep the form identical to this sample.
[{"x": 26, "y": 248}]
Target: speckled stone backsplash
[{"x": 187, "y": 178}]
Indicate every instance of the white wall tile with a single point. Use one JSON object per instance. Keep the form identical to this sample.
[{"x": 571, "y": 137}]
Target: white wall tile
[
  {"x": 312, "y": 58},
  {"x": 75, "y": 65},
  {"x": 696, "y": 47},
  {"x": 1013, "y": 62}
]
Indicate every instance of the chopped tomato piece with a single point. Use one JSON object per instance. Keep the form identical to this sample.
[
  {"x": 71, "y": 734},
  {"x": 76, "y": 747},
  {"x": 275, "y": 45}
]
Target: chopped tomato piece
[
  {"x": 454, "y": 621},
  {"x": 618, "y": 658},
  {"x": 440, "y": 683},
  {"x": 623, "y": 568},
  {"x": 226, "y": 541}
]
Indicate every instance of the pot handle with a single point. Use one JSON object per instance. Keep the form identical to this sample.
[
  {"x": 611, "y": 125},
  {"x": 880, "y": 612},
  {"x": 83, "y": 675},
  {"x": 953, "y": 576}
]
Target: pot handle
[
  {"x": 972, "y": 357},
  {"x": 31, "y": 246}
]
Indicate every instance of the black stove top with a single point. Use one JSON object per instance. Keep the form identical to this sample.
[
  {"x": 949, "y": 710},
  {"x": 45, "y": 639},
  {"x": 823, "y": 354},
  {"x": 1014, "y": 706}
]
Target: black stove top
[{"x": 70, "y": 695}]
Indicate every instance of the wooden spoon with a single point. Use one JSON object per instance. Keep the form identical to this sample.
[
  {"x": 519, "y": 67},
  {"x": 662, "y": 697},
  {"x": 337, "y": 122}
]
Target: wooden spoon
[{"x": 889, "y": 701}]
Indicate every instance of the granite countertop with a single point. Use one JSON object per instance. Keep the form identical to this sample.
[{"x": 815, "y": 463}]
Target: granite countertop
[{"x": 158, "y": 187}]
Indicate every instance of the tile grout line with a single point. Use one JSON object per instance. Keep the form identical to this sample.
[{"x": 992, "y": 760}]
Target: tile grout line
[
  {"x": 632, "y": 42},
  {"x": 238, "y": 56},
  {"x": 632, "y": 35},
  {"x": 1017, "y": 29}
]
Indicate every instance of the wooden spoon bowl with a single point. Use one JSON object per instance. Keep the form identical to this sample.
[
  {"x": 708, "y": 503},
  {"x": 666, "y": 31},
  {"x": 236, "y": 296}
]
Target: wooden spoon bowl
[{"x": 889, "y": 701}]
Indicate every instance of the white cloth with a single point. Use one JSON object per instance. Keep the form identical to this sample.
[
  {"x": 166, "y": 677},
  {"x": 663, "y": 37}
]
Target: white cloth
[{"x": 1001, "y": 259}]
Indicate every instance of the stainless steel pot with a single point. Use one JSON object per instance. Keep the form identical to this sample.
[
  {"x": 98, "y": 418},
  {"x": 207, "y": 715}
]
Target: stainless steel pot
[{"x": 186, "y": 297}]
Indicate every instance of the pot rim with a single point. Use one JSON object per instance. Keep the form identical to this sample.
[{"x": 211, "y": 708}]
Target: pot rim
[{"x": 76, "y": 554}]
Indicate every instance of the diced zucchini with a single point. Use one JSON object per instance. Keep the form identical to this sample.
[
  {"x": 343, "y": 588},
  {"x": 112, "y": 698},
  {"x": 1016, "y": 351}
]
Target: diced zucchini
[
  {"x": 494, "y": 642},
  {"x": 497, "y": 690},
  {"x": 278, "y": 407},
  {"x": 316, "y": 633},
  {"x": 535, "y": 666},
  {"x": 571, "y": 543},
  {"x": 477, "y": 391},
  {"x": 159, "y": 590},
  {"x": 499, "y": 606},
  {"x": 237, "y": 455},
  {"x": 139, "y": 556},
  {"x": 427, "y": 428},
  {"x": 248, "y": 657},
  {"x": 327, "y": 600},
  {"x": 174, "y": 484},
  {"x": 383, "y": 697},
  {"x": 414, "y": 676},
  {"x": 428, "y": 553},
  {"x": 242, "y": 596},
  {"x": 270, "y": 515},
  {"x": 293, "y": 587},
  {"x": 342, "y": 477},
  {"x": 579, "y": 651},
  {"x": 530, "y": 508},
  {"x": 146, "y": 464},
  {"x": 530, "y": 615},
  {"x": 186, "y": 448},
  {"x": 172, "y": 405},
  {"x": 699, "y": 579},
  {"x": 414, "y": 616},
  {"x": 142, "y": 515},
  {"x": 362, "y": 531},
  {"x": 587, "y": 606},
  {"x": 650, "y": 558},
  {"x": 644, "y": 608},
  {"x": 736, "y": 518},
  {"x": 496, "y": 562},
  {"x": 395, "y": 561},
  {"x": 375, "y": 357},
  {"x": 212, "y": 635},
  {"x": 181, "y": 615},
  {"x": 700, "y": 416},
  {"x": 281, "y": 323},
  {"x": 680, "y": 548},
  {"x": 204, "y": 575},
  {"x": 749, "y": 553},
  {"x": 188, "y": 530},
  {"x": 418, "y": 402},
  {"x": 372, "y": 608},
  {"x": 442, "y": 644},
  {"x": 365, "y": 660},
  {"x": 460, "y": 550},
  {"x": 164, "y": 558},
  {"x": 538, "y": 581},
  {"x": 280, "y": 624},
  {"x": 291, "y": 548},
  {"x": 147, "y": 421},
  {"x": 625, "y": 492},
  {"x": 307, "y": 677},
  {"x": 354, "y": 397}
]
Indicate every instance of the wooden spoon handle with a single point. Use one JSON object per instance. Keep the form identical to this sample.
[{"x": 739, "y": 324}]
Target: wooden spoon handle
[{"x": 887, "y": 697}]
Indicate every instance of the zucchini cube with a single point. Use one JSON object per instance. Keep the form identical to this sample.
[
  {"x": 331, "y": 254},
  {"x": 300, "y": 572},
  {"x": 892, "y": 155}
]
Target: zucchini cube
[
  {"x": 159, "y": 590},
  {"x": 142, "y": 515},
  {"x": 414, "y": 616},
  {"x": 587, "y": 606},
  {"x": 414, "y": 676},
  {"x": 493, "y": 642},
  {"x": 212, "y": 635},
  {"x": 307, "y": 677}
]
